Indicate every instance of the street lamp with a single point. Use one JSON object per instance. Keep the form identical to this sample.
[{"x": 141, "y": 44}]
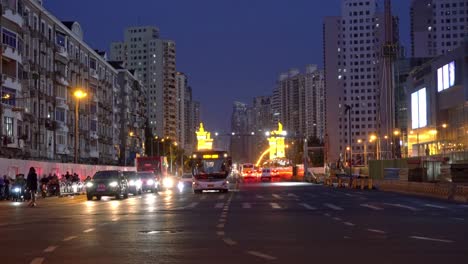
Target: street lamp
[{"x": 79, "y": 95}]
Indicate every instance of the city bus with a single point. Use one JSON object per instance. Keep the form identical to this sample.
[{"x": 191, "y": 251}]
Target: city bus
[{"x": 210, "y": 170}]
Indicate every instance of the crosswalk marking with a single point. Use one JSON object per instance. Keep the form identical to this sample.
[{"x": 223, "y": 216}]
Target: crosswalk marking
[
  {"x": 221, "y": 197},
  {"x": 246, "y": 206},
  {"x": 292, "y": 195},
  {"x": 403, "y": 206},
  {"x": 308, "y": 207},
  {"x": 259, "y": 196},
  {"x": 219, "y": 205},
  {"x": 276, "y": 196},
  {"x": 373, "y": 207},
  {"x": 275, "y": 206},
  {"x": 334, "y": 207},
  {"x": 376, "y": 231}
]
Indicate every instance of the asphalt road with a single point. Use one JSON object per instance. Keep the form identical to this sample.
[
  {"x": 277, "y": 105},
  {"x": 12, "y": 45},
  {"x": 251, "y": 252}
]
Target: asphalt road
[{"x": 259, "y": 223}]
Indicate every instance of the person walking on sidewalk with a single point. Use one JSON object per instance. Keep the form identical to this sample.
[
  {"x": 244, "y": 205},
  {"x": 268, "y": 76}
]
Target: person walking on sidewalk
[{"x": 31, "y": 183}]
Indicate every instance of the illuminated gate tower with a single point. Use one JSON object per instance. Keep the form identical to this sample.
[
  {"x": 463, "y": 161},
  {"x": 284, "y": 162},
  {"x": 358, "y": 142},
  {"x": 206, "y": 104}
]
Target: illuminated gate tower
[
  {"x": 205, "y": 142},
  {"x": 276, "y": 141}
]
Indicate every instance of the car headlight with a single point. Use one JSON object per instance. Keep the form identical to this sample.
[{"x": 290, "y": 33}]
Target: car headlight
[
  {"x": 180, "y": 185},
  {"x": 17, "y": 190},
  {"x": 113, "y": 184},
  {"x": 168, "y": 182},
  {"x": 138, "y": 183},
  {"x": 132, "y": 183},
  {"x": 150, "y": 182},
  {"x": 89, "y": 184}
]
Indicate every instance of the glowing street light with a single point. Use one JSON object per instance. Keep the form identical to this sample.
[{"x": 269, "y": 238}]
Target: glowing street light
[
  {"x": 79, "y": 95},
  {"x": 131, "y": 134}
]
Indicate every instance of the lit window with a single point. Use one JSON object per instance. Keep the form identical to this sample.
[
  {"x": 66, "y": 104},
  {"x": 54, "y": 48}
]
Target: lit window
[
  {"x": 419, "y": 109},
  {"x": 446, "y": 76}
]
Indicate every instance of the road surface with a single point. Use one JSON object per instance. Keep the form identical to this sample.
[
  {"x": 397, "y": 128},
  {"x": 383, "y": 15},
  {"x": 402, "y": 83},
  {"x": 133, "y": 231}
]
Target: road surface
[{"x": 259, "y": 223}]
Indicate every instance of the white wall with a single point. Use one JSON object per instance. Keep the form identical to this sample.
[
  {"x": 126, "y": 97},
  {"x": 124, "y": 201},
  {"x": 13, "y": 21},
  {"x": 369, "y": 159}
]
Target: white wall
[{"x": 11, "y": 167}]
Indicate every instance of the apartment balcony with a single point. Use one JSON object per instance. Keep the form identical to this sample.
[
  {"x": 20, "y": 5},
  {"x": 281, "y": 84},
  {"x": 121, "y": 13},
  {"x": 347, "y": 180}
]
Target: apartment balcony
[
  {"x": 62, "y": 54},
  {"x": 93, "y": 74},
  {"x": 61, "y": 80},
  {"x": 11, "y": 82},
  {"x": 12, "y": 53},
  {"x": 93, "y": 135},
  {"x": 14, "y": 17}
]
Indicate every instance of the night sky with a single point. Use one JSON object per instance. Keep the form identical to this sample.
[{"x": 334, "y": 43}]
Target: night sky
[{"x": 231, "y": 50}]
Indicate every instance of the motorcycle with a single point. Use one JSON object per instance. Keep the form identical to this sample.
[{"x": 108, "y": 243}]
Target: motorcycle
[
  {"x": 18, "y": 192},
  {"x": 44, "y": 190}
]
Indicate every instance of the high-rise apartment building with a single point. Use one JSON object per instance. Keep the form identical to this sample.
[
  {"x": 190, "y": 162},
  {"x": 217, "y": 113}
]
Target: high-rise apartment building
[
  {"x": 44, "y": 61},
  {"x": 353, "y": 59},
  {"x": 182, "y": 125},
  {"x": 154, "y": 62},
  {"x": 301, "y": 102},
  {"x": 437, "y": 26}
]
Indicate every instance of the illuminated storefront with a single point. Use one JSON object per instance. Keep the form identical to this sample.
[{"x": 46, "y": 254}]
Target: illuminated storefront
[{"x": 438, "y": 103}]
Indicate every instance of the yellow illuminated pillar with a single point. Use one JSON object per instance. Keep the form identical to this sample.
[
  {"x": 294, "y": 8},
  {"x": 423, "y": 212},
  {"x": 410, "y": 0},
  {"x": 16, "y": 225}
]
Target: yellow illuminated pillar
[
  {"x": 276, "y": 141},
  {"x": 205, "y": 142}
]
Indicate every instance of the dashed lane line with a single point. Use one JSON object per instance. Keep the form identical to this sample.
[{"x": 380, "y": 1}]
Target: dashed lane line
[
  {"x": 37, "y": 261},
  {"x": 435, "y": 206},
  {"x": 221, "y": 197},
  {"x": 373, "y": 207},
  {"x": 308, "y": 207},
  {"x": 376, "y": 231},
  {"x": 69, "y": 238},
  {"x": 88, "y": 230},
  {"x": 431, "y": 239},
  {"x": 261, "y": 255},
  {"x": 336, "y": 218},
  {"x": 219, "y": 205},
  {"x": 349, "y": 224},
  {"x": 334, "y": 207},
  {"x": 222, "y": 220},
  {"x": 229, "y": 241},
  {"x": 293, "y": 195},
  {"x": 275, "y": 206},
  {"x": 403, "y": 206},
  {"x": 220, "y": 226},
  {"x": 259, "y": 196},
  {"x": 50, "y": 249},
  {"x": 220, "y": 233},
  {"x": 276, "y": 196},
  {"x": 246, "y": 206}
]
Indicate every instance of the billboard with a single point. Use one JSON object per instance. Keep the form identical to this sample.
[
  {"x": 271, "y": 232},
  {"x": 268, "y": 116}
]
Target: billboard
[
  {"x": 446, "y": 76},
  {"x": 419, "y": 109}
]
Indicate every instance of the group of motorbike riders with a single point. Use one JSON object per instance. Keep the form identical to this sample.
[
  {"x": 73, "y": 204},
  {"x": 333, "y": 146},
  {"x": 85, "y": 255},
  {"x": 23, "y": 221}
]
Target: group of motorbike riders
[{"x": 25, "y": 188}]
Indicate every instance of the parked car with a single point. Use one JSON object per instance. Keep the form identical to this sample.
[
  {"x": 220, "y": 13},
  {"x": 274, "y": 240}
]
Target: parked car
[
  {"x": 134, "y": 182},
  {"x": 107, "y": 183}
]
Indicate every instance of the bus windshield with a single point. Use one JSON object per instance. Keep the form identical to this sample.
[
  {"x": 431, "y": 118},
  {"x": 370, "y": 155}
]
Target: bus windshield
[{"x": 210, "y": 166}]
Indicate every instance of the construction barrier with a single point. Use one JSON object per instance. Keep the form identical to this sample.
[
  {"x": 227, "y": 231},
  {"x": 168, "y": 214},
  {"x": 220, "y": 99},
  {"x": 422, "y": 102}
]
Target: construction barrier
[
  {"x": 72, "y": 188},
  {"x": 449, "y": 191}
]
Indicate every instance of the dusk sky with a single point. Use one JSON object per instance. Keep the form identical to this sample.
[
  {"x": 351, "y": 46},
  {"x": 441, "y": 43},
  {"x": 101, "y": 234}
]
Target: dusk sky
[{"x": 232, "y": 50}]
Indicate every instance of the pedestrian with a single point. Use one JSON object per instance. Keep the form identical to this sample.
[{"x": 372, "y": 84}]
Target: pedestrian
[{"x": 31, "y": 183}]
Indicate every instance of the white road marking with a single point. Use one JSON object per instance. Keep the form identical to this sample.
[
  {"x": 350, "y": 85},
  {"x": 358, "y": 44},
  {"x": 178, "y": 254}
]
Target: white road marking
[
  {"x": 432, "y": 239},
  {"x": 373, "y": 207},
  {"x": 376, "y": 231},
  {"x": 229, "y": 241},
  {"x": 221, "y": 197},
  {"x": 349, "y": 224},
  {"x": 336, "y": 218},
  {"x": 459, "y": 219},
  {"x": 435, "y": 206},
  {"x": 203, "y": 197},
  {"x": 350, "y": 195},
  {"x": 220, "y": 226},
  {"x": 50, "y": 249},
  {"x": 328, "y": 215},
  {"x": 115, "y": 219},
  {"x": 403, "y": 206},
  {"x": 293, "y": 195},
  {"x": 219, "y": 205},
  {"x": 220, "y": 233},
  {"x": 37, "y": 261},
  {"x": 246, "y": 206},
  {"x": 222, "y": 220},
  {"x": 69, "y": 238},
  {"x": 308, "y": 207},
  {"x": 259, "y": 196},
  {"x": 334, "y": 207},
  {"x": 88, "y": 230},
  {"x": 275, "y": 206},
  {"x": 276, "y": 196},
  {"x": 192, "y": 205},
  {"x": 261, "y": 255}
]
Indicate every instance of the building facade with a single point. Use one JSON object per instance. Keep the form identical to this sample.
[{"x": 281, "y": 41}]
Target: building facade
[
  {"x": 437, "y": 26},
  {"x": 44, "y": 61},
  {"x": 353, "y": 72},
  {"x": 438, "y": 104},
  {"x": 154, "y": 62}
]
